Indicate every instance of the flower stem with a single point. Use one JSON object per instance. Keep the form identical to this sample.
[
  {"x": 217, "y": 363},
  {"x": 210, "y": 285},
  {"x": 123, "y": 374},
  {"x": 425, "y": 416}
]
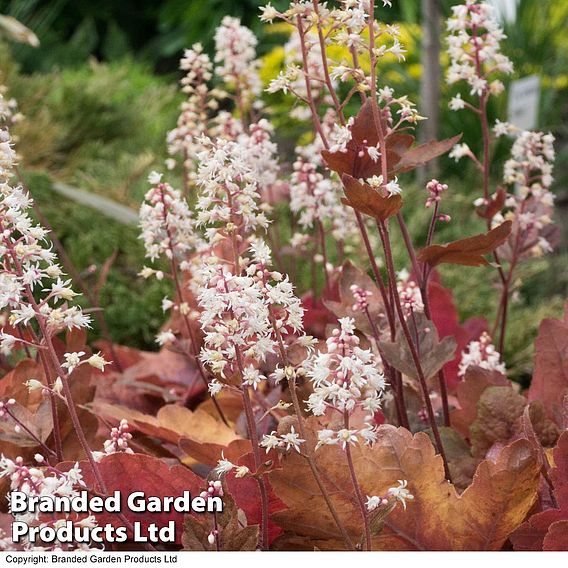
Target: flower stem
[
  {"x": 357, "y": 487},
  {"x": 415, "y": 358}
]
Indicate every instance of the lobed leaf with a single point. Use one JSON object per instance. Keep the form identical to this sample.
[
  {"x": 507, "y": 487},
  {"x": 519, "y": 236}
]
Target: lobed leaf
[
  {"x": 481, "y": 518},
  {"x": 542, "y": 530},
  {"x": 434, "y": 353}
]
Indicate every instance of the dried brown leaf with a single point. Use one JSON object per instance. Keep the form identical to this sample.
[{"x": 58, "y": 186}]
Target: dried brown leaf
[{"x": 498, "y": 410}]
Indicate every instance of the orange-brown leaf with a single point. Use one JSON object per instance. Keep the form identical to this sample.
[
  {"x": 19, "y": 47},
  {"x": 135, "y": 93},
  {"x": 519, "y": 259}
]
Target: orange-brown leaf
[
  {"x": 420, "y": 155},
  {"x": 365, "y": 199},
  {"x": 541, "y": 530},
  {"x": 469, "y": 251},
  {"x": 172, "y": 423},
  {"x": 481, "y": 518}
]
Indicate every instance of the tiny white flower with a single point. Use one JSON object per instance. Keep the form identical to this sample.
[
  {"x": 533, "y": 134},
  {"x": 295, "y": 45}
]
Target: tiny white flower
[
  {"x": 97, "y": 361},
  {"x": 72, "y": 360},
  {"x": 34, "y": 384}
]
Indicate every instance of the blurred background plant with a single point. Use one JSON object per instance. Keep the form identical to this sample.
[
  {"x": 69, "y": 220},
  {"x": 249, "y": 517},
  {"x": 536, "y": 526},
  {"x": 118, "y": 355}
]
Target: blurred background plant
[{"x": 100, "y": 93}]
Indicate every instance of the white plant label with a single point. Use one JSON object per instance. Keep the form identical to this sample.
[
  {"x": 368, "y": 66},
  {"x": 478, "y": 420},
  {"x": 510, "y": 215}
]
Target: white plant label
[{"x": 524, "y": 98}]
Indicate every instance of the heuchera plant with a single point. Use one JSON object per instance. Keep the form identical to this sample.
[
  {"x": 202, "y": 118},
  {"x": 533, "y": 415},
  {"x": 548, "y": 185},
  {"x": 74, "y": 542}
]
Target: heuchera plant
[{"x": 361, "y": 415}]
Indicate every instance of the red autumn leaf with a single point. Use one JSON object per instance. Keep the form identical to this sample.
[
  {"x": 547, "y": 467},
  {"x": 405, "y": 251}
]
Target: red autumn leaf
[
  {"x": 550, "y": 379},
  {"x": 138, "y": 472},
  {"x": 556, "y": 538},
  {"x": 246, "y": 494},
  {"x": 541, "y": 531},
  {"x": 316, "y": 316},
  {"x": 496, "y": 203},
  {"x": 365, "y": 199},
  {"x": 147, "y": 373},
  {"x": 468, "y": 252},
  {"x": 469, "y": 391},
  {"x": 420, "y": 155}
]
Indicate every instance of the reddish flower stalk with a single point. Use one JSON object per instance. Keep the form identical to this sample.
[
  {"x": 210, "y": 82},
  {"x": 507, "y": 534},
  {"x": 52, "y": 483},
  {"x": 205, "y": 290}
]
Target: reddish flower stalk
[
  {"x": 309, "y": 455},
  {"x": 383, "y": 230},
  {"x": 413, "y": 352},
  {"x": 358, "y": 492},
  {"x": 185, "y": 317}
]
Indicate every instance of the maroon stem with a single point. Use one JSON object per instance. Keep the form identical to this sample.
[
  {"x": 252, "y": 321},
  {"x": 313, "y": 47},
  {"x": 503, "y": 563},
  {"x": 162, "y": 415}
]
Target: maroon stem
[
  {"x": 324, "y": 253},
  {"x": 358, "y": 492},
  {"x": 253, "y": 435},
  {"x": 185, "y": 318},
  {"x": 412, "y": 348},
  {"x": 391, "y": 372},
  {"x": 303, "y": 434},
  {"x": 74, "y": 273}
]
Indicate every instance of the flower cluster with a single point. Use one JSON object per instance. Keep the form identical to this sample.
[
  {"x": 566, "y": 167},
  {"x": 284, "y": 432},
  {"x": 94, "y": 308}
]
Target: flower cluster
[
  {"x": 474, "y": 48},
  {"x": 42, "y": 481},
  {"x": 285, "y": 442},
  {"x": 74, "y": 360},
  {"x": 399, "y": 494},
  {"x": 9, "y": 113},
  {"x": 244, "y": 317},
  {"x": 167, "y": 224},
  {"x": 261, "y": 155},
  {"x": 309, "y": 68},
  {"x": 410, "y": 294},
  {"x": 345, "y": 378},
  {"x": 481, "y": 353},
  {"x": 532, "y": 204},
  {"x": 361, "y": 296},
  {"x": 313, "y": 197},
  {"x": 246, "y": 308},
  {"x": 292, "y": 79},
  {"x": 235, "y": 47},
  {"x": 435, "y": 190},
  {"x": 29, "y": 264},
  {"x": 193, "y": 119},
  {"x": 117, "y": 443},
  {"x": 228, "y": 188}
]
